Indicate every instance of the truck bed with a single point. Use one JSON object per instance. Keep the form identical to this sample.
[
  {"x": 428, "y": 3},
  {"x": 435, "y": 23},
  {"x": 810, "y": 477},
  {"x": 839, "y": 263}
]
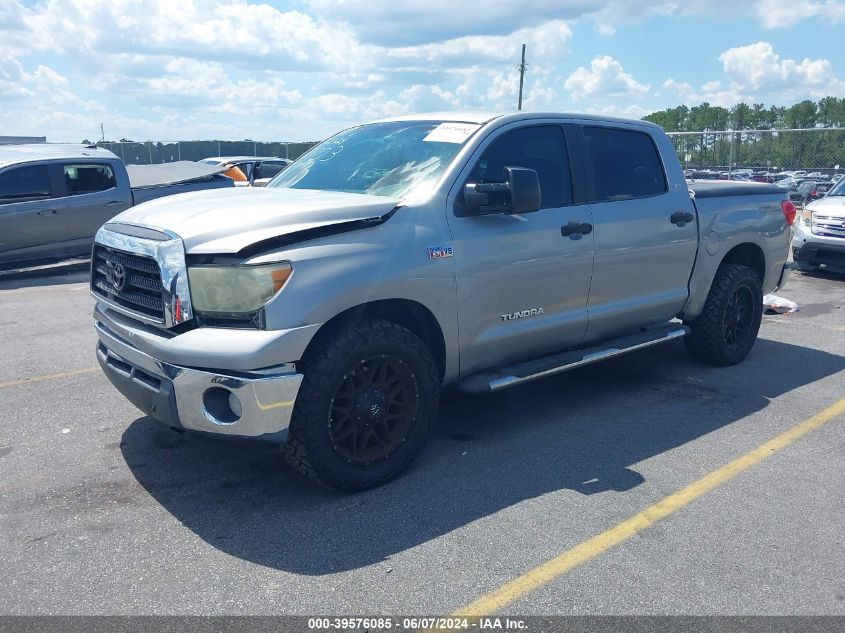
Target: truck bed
[
  {"x": 154, "y": 181},
  {"x": 141, "y": 176},
  {"x": 718, "y": 188}
]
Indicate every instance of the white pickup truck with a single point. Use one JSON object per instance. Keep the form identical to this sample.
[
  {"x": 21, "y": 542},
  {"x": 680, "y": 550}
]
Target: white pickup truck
[{"x": 325, "y": 311}]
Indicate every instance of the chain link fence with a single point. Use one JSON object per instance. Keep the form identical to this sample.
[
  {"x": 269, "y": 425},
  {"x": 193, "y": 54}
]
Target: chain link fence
[
  {"x": 150, "y": 152},
  {"x": 813, "y": 150}
]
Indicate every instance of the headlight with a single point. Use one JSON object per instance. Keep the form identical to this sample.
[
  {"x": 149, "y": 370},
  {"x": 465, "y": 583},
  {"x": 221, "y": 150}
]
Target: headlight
[
  {"x": 807, "y": 216},
  {"x": 236, "y": 289}
]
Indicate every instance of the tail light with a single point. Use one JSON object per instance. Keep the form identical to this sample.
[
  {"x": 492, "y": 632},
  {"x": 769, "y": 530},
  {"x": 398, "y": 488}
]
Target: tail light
[{"x": 789, "y": 211}]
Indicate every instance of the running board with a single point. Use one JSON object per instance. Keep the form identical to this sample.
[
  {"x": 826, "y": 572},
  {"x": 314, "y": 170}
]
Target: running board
[{"x": 487, "y": 382}]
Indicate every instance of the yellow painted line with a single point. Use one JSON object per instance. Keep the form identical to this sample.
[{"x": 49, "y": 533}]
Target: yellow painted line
[
  {"x": 589, "y": 549},
  {"x": 34, "y": 379}
]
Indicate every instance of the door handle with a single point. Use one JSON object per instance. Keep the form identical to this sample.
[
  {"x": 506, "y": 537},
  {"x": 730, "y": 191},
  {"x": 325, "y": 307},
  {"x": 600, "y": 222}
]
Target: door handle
[
  {"x": 681, "y": 217},
  {"x": 573, "y": 230},
  {"x": 47, "y": 212},
  {"x": 113, "y": 203}
]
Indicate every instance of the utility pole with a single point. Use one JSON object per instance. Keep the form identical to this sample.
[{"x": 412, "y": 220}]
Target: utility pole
[{"x": 522, "y": 67}]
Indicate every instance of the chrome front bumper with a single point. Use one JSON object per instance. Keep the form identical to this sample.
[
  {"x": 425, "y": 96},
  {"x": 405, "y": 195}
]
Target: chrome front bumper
[{"x": 200, "y": 400}]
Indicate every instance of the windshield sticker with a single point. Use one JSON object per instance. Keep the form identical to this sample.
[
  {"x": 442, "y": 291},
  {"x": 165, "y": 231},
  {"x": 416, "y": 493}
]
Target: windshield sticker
[{"x": 451, "y": 133}]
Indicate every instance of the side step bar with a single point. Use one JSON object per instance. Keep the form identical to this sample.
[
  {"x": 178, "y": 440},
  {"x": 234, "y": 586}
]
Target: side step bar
[{"x": 487, "y": 382}]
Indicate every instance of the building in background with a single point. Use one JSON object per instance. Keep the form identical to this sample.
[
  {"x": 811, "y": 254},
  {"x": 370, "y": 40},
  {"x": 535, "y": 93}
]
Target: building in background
[{"x": 19, "y": 140}]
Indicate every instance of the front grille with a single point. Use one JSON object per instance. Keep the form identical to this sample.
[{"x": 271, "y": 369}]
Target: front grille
[
  {"x": 828, "y": 225},
  {"x": 140, "y": 290}
]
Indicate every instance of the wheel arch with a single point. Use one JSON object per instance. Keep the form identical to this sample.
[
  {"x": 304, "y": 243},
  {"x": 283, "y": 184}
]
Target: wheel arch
[
  {"x": 408, "y": 313},
  {"x": 748, "y": 254}
]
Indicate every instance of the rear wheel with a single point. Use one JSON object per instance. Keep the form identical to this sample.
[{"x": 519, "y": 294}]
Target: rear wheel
[
  {"x": 367, "y": 403},
  {"x": 725, "y": 331}
]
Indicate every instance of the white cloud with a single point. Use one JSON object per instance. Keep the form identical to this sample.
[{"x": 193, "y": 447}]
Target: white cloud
[
  {"x": 712, "y": 92},
  {"x": 214, "y": 68},
  {"x": 231, "y": 32},
  {"x": 783, "y": 13},
  {"x": 605, "y": 77},
  {"x": 549, "y": 40},
  {"x": 756, "y": 73},
  {"x": 391, "y": 22},
  {"x": 757, "y": 66}
]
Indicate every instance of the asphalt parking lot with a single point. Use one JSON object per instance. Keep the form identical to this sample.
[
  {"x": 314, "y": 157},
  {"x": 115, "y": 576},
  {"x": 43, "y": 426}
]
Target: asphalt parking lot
[{"x": 103, "y": 511}]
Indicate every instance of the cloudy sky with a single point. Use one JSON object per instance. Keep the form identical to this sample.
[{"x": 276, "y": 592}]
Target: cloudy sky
[{"x": 300, "y": 70}]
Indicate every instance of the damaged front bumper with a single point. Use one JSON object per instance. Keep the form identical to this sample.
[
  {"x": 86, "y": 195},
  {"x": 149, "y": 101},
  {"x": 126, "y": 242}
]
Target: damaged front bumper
[{"x": 238, "y": 404}]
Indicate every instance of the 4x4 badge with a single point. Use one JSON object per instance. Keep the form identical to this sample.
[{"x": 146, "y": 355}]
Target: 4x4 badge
[{"x": 438, "y": 252}]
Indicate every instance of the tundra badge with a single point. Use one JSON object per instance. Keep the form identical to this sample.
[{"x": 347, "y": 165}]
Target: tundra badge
[{"x": 522, "y": 314}]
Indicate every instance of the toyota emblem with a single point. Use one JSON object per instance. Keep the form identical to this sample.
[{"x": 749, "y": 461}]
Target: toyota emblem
[{"x": 118, "y": 277}]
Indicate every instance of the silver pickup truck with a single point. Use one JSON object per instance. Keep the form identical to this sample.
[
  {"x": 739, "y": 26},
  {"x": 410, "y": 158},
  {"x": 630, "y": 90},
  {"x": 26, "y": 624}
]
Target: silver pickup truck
[{"x": 325, "y": 311}]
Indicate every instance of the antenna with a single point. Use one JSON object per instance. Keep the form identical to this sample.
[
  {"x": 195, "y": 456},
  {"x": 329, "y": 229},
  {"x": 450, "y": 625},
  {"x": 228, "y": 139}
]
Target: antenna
[
  {"x": 522, "y": 66},
  {"x": 102, "y": 134}
]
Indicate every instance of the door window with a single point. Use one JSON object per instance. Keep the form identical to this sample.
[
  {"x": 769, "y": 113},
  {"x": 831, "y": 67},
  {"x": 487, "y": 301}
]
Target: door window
[
  {"x": 268, "y": 169},
  {"x": 22, "y": 184},
  {"x": 541, "y": 148},
  {"x": 82, "y": 178},
  {"x": 625, "y": 164}
]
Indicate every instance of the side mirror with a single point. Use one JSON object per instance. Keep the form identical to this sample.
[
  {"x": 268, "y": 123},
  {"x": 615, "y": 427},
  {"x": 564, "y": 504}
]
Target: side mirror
[
  {"x": 519, "y": 194},
  {"x": 524, "y": 185}
]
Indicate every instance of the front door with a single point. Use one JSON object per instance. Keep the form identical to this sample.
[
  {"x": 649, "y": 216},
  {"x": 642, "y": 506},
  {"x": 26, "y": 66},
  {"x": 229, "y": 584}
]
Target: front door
[
  {"x": 25, "y": 212},
  {"x": 522, "y": 284}
]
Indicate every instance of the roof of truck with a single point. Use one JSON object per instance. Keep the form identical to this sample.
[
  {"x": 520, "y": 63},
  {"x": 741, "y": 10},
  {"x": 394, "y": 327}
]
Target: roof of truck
[
  {"x": 11, "y": 154},
  {"x": 482, "y": 117}
]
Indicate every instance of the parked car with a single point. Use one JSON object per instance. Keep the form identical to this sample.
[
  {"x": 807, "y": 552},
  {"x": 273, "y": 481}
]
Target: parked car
[
  {"x": 809, "y": 190},
  {"x": 53, "y": 198},
  {"x": 481, "y": 251},
  {"x": 257, "y": 169},
  {"x": 819, "y": 238}
]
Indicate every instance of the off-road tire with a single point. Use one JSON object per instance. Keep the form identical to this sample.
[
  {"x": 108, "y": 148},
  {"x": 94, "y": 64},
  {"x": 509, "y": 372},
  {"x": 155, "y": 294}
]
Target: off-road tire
[
  {"x": 310, "y": 449},
  {"x": 707, "y": 339}
]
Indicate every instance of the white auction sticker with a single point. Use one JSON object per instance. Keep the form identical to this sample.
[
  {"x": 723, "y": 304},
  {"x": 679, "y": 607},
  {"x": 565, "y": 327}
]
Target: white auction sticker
[{"x": 451, "y": 132}]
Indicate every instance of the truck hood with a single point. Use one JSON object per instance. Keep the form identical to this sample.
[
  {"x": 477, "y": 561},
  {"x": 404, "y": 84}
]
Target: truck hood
[
  {"x": 833, "y": 206},
  {"x": 225, "y": 221}
]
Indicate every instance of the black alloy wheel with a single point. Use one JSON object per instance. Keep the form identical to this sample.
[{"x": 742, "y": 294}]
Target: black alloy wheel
[
  {"x": 725, "y": 330},
  {"x": 738, "y": 315},
  {"x": 374, "y": 409},
  {"x": 367, "y": 402}
]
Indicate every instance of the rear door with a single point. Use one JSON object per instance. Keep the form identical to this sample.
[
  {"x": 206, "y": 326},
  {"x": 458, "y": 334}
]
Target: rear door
[
  {"x": 646, "y": 234},
  {"x": 522, "y": 285}
]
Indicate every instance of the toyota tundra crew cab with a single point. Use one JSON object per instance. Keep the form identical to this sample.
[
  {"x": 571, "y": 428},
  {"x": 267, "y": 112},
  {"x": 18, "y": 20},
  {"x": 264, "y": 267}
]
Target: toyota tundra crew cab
[{"x": 325, "y": 311}]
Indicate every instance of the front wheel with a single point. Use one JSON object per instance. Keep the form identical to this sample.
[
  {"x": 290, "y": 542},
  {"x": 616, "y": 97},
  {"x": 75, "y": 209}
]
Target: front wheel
[
  {"x": 727, "y": 327},
  {"x": 367, "y": 403}
]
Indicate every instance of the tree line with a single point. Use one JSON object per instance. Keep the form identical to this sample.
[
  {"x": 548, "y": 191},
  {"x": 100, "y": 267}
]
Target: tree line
[
  {"x": 142, "y": 153},
  {"x": 750, "y": 145}
]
